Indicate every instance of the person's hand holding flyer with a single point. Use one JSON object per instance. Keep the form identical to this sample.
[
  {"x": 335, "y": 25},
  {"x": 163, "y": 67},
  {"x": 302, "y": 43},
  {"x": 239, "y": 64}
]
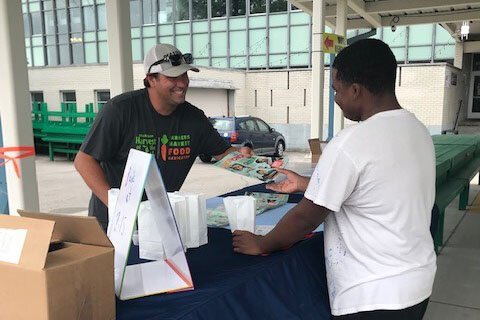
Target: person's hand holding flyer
[{"x": 262, "y": 168}]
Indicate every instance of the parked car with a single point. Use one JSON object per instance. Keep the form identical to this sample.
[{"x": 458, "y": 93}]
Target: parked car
[{"x": 248, "y": 131}]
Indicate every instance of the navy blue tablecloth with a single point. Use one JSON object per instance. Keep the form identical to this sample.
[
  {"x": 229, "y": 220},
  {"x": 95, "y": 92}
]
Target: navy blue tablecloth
[{"x": 290, "y": 284}]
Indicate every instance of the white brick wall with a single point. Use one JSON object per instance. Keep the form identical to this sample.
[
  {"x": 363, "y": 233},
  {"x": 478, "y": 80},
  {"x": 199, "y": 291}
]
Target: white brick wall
[{"x": 420, "y": 88}]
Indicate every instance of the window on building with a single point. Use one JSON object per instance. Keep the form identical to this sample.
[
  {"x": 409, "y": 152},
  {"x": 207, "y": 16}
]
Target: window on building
[
  {"x": 257, "y": 6},
  {"x": 69, "y": 96},
  {"x": 102, "y": 97},
  {"x": 47, "y": 4},
  {"x": 69, "y": 101},
  {"x": 37, "y": 96},
  {"x": 102, "y": 17},
  {"x": 237, "y": 7},
  {"x": 26, "y": 25},
  {"x": 149, "y": 11},
  {"x": 75, "y": 20},
  {"x": 49, "y": 22},
  {"x": 61, "y": 3},
  {"x": 181, "y": 10},
  {"x": 37, "y": 27},
  {"x": 89, "y": 18},
  {"x": 278, "y": 5},
  {"x": 219, "y": 8},
  {"x": 64, "y": 48},
  {"x": 199, "y": 9},
  {"x": 136, "y": 13},
  {"x": 78, "y": 55},
  {"x": 165, "y": 10},
  {"x": 62, "y": 21}
]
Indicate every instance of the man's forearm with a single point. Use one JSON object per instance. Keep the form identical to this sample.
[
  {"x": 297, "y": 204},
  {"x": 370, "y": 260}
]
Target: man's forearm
[
  {"x": 93, "y": 175},
  {"x": 299, "y": 221}
]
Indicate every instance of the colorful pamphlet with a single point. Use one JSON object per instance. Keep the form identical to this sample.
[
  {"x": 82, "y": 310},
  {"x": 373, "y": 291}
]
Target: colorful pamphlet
[{"x": 262, "y": 168}]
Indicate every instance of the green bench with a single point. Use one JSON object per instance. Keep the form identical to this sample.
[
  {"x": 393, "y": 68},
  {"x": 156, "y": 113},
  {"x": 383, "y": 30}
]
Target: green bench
[
  {"x": 444, "y": 195},
  {"x": 63, "y": 131},
  {"x": 457, "y": 162}
]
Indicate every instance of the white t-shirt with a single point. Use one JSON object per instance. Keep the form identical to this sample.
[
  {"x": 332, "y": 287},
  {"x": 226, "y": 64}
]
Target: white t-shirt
[{"x": 378, "y": 178}]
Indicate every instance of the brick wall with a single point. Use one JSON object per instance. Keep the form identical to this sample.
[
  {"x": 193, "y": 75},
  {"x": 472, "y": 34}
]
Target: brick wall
[{"x": 282, "y": 98}]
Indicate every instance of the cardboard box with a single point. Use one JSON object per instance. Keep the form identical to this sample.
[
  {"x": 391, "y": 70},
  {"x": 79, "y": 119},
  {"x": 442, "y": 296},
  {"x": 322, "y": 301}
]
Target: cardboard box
[
  {"x": 316, "y": 147},
  {"x": 65, "y": 270}
]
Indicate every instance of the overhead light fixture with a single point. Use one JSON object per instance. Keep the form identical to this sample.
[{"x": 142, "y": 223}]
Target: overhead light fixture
[
  {"x": 465, "y": 30},
  {"x": 393, "y": 23}
]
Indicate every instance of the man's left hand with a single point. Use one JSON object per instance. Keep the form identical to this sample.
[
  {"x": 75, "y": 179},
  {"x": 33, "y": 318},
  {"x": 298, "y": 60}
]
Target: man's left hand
[{"x": 247, "y": 243}]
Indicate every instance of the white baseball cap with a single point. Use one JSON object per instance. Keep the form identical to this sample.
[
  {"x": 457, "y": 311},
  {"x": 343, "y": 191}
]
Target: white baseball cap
[{"x": 167, "y": 60}]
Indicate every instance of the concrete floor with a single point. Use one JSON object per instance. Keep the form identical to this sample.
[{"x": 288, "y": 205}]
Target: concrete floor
[{"x": 456, "y": 292}]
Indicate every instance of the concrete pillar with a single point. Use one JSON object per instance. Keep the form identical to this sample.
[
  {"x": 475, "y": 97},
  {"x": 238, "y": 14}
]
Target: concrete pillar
[
  {"x": 15, "y": 107},
  {"x": 318, "y": 27},
  {"x": 119, "y": 46},
  {"x": 340, "y": 29},
  {"x": 458, "y": 60}
]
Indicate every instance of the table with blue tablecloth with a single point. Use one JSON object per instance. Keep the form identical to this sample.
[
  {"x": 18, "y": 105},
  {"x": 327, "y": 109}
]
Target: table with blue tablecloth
[{"x": 289, "y": 284}]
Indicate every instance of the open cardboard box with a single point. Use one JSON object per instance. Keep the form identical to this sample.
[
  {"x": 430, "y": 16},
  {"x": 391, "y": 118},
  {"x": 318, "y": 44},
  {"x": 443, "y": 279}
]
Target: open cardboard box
[
  {"x": 65, "y": 269},
  {"x": 316, "y": 147}
]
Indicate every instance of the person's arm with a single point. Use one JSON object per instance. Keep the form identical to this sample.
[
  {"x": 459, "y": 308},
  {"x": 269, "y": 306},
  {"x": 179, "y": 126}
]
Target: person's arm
[
  {"x": 293, "y": 182},
  {"x": 299, "y": 221},
  {"x": 246, "y": 151},
  {"x": 93, "y": 175}
]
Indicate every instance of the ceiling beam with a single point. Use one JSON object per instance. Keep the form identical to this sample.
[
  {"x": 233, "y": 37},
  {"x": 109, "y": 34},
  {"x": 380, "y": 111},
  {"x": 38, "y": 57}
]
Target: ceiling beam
[
  {"x": 451, "y": 29},
  {"x": 331, "y": 11},
  {"x": 471, "y": 47},
  {"x": 437, "y": 17},
  {"x": 305, "y": 6},
  {"x": 359, "y": 7},
  {"x": 329, "y": 22},
  {"x": 412, "y": 5},
  {"x": 418, "y": 19},
  {"x": 394, "y": 6}
]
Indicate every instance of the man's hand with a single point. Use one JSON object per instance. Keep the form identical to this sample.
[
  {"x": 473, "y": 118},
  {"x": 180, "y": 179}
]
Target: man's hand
[
  {"x": 247, "y": 243},
  {"x": 293, "y": 183},
  {"x": 246, "y": 151}
]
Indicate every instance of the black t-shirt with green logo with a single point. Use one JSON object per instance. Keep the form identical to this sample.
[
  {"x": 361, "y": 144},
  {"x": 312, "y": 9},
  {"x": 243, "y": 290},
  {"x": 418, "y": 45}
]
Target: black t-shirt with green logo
[{"x": 130, "y": 121}]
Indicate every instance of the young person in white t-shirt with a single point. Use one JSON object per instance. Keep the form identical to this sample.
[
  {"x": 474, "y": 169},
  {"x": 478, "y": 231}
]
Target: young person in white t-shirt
[{"x": 374, "y": 187}]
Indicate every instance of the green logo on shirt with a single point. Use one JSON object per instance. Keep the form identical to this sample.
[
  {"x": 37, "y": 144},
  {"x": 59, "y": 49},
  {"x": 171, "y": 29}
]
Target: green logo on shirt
[{"x": 146, "y": 143}]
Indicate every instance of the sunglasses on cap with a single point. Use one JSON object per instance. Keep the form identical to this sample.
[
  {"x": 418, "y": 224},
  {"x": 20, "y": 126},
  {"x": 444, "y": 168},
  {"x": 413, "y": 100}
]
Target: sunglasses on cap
[{"x": 175, "y": 59}]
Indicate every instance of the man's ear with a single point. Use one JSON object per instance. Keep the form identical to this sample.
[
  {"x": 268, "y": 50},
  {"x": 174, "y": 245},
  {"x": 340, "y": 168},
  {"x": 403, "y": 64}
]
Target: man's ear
[
  {"x": 151, "y": 79},
  {"x": 356, "y": 90}
]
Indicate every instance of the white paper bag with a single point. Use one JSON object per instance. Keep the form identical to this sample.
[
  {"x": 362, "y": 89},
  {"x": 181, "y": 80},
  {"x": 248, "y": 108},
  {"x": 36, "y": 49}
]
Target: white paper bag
[
  {"x": 197, "y": 234},
  {"x": 241, "y": 212},
  {"x": 179, "y": 207},
  {"x": 149, "y": 236},
  {"x": 112, "y": 201}
]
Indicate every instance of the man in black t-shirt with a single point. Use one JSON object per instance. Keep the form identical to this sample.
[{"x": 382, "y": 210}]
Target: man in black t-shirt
[{"x": 157, "y": 120}]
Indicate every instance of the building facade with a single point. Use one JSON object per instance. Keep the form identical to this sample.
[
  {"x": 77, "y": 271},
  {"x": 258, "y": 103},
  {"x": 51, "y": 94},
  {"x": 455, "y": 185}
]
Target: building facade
[{"x": 254, "y": 55}]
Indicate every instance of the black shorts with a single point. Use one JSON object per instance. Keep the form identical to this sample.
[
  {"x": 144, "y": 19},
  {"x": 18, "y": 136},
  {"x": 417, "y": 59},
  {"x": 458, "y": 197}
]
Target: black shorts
[{"x": 415, "y": 312}]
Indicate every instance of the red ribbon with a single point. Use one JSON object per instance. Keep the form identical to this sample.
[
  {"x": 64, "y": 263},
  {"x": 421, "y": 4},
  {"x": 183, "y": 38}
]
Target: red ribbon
[{"x": 25, "y": 152}]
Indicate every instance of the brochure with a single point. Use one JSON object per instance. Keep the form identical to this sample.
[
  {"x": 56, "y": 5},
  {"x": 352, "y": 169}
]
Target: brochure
[
  {"x": 262, "y": 168},
  {"x": 217, "y": 217}
]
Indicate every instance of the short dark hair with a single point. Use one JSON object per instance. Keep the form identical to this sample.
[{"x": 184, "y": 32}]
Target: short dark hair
[
  {"x": 370, "y": 63},
  {"x": 145, "y": 80}
]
